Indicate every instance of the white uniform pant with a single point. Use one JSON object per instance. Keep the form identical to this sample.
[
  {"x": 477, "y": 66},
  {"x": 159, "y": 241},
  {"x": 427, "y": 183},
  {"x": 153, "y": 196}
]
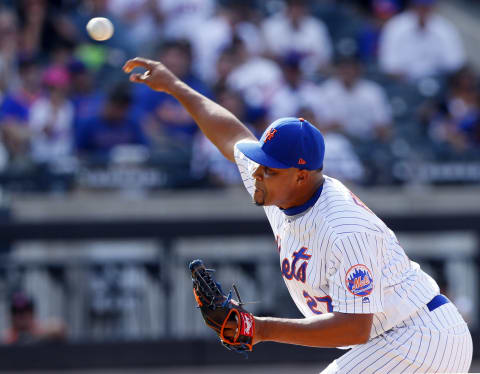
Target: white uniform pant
[{"x": 428, "y": 342}]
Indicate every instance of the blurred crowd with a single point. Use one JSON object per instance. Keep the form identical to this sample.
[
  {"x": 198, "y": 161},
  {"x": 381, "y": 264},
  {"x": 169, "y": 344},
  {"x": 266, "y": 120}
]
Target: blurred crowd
[{"x": 385, "y": 80}]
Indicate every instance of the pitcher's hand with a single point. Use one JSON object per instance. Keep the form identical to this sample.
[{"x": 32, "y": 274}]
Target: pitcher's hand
[{"x": 156, "y": 76}]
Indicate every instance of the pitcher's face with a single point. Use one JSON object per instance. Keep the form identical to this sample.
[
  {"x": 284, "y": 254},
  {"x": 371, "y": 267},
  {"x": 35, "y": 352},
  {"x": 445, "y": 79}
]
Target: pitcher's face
[{"x": 274, "y": 186}]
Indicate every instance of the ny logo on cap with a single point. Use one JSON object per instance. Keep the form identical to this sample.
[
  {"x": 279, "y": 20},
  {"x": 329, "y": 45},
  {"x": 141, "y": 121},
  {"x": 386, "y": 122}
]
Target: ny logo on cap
[
  {"x": 301, "y": 161},
  {"x": 270, "y": 134}
]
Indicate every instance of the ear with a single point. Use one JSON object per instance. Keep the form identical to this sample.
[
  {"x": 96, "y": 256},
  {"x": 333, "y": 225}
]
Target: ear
[{"x": 302, "y": 176}]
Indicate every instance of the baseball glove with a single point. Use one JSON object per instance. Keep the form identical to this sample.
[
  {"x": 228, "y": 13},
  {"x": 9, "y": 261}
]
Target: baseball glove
[{"x": 233, "y": 324}]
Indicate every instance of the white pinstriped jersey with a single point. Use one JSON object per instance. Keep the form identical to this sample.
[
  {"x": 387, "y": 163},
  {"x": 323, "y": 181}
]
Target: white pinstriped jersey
[{"x": 339, "y": 256}]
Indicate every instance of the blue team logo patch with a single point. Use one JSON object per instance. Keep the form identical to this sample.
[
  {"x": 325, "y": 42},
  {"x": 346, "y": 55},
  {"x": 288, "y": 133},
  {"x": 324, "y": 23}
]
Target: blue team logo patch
[{"x": 359, "y": 280}]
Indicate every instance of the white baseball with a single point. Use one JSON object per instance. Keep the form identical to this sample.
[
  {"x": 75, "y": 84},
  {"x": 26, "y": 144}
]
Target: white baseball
[{"x": 100, "y": 28}]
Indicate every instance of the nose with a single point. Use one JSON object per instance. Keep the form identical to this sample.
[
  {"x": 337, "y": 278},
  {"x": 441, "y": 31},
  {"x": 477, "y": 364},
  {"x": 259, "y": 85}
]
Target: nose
[{"x": 258, "y": 173}]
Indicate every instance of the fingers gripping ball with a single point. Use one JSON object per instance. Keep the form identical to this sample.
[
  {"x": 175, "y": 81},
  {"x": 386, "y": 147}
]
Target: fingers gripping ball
[
  {"x": 233, "y": 324},
  {"x": 100, "y": 28}
]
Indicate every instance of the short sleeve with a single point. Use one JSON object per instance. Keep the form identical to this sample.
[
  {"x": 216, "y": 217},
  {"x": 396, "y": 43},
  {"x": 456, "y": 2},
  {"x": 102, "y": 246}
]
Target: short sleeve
[
  {"x": 246, "y": 168},
  {"x": 354, "y": 276}
]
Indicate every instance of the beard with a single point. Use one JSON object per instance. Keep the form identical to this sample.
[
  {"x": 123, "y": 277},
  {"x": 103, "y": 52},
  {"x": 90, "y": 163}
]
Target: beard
[{"x": 259, "y": 198}]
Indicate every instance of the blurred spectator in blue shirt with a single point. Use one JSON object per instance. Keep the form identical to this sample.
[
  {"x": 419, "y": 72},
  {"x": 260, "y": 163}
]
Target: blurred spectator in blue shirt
[
  {"x": 470, "y": 129},
  {"x": 167, "y": 120},
  {"x": 452, "y": 122},
  {"x": 112, "y": 127},
  {"x": 87, "y": 100},
  {"x": 369, "y": 35}
]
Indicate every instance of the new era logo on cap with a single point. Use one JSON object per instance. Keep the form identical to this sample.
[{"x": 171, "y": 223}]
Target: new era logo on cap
[{"x": 288, "y": 142}]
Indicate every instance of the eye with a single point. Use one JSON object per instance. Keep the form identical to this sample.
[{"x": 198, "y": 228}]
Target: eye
[{"x": 269, "y": 171}]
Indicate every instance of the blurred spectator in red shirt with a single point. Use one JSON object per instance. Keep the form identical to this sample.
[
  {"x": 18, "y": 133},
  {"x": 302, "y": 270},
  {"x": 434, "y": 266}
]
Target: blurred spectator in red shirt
[{"x": 25, "y": 329}]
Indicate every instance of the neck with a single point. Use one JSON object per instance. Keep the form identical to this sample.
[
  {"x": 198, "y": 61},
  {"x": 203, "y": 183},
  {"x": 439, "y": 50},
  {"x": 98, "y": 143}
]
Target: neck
[
  {"x": 306, "y": 194},
  {"x": 349, "y": 84}
]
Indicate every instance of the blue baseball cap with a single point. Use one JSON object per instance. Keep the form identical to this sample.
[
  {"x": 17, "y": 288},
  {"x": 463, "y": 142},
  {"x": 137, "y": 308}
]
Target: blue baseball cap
[{"x": 287, "y": 143}]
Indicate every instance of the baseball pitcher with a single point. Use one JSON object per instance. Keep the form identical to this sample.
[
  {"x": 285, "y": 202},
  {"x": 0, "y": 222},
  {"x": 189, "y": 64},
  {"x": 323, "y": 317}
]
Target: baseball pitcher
[{"x": 343, "y": 267}]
